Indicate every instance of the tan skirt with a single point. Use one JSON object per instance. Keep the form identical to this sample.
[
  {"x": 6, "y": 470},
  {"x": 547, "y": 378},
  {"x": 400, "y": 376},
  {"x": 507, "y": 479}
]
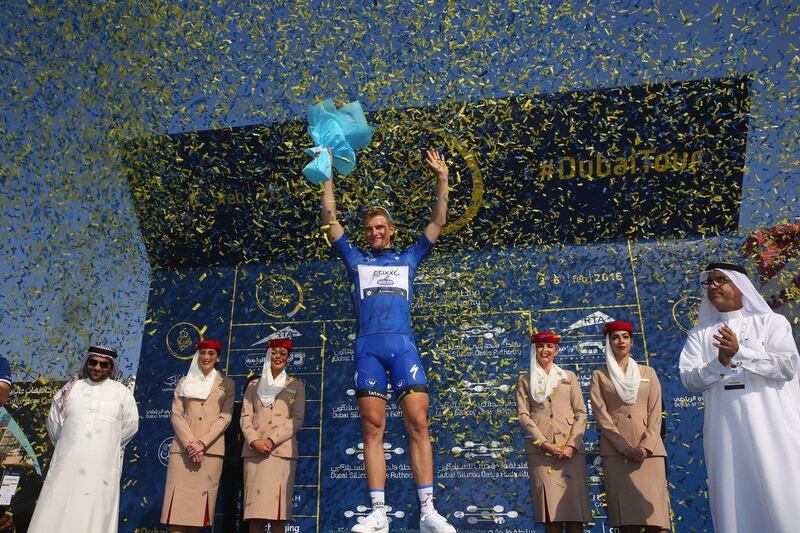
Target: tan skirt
[
  {"x": 636, "y": 493},
  {"x": 191, "y": 490},
  {"x": 559, "y": 487},
  {"x": 268, "y": 487}
]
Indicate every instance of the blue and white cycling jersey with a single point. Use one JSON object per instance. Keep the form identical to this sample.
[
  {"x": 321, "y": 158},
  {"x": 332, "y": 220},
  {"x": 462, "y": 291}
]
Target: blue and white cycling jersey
[{"x": 383, "y": 283}]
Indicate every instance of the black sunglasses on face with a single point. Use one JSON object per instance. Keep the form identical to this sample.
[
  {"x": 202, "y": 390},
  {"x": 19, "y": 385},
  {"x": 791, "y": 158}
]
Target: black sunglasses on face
[
  {"x": 98, "y": 362},
  {"x": 715, "y": 282}
]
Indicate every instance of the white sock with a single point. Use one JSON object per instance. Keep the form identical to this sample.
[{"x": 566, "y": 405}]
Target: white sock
[
  {"x": 377, "y": 498},
  {"x": 425, "y": 494}
]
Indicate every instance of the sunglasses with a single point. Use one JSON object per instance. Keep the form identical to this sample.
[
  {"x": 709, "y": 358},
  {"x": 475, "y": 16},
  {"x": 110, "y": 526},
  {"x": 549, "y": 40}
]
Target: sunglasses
[
  {"x": 98, "y": 362},
  {"x": 715, "y": 282}
]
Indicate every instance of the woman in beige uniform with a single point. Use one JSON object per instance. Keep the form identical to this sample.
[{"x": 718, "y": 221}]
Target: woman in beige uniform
[
  {"x": 626, "y": 403},
  {"x": 272, "y": 414},
  {"x": 201, "y": 411},
  {"x": 551, "y": 411}
]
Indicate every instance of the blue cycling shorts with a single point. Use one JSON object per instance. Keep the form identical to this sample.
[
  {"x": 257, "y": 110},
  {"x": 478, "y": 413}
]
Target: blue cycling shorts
[{"x": 380, "y": 353}]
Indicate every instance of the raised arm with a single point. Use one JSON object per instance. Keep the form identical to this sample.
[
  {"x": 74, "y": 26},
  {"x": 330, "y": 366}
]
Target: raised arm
[
  {"x": 439, "y": 215},
  {"x": 328, "y": 212}
]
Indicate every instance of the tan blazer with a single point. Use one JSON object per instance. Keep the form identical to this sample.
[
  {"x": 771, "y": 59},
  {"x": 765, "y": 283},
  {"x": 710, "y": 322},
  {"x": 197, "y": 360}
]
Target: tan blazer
[
  {"x": 560, "y": 420},
  {"x": 203, "y": 420},
  {"x": 280, "y": 421},
  {"x": 622, "y": 425}
]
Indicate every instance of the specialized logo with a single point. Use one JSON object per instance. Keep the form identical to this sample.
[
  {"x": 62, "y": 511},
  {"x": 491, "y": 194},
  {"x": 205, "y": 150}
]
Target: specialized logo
[
  {"x": 163, "y": 450},
  {"x": 414, "y": 370},
  {"x": 496, "y": 514},
  {"x": 181, "y": 340}
]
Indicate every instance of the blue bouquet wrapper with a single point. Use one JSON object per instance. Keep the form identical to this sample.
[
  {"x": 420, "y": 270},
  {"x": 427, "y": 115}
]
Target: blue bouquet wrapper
[{"x": 343, "y": 131}]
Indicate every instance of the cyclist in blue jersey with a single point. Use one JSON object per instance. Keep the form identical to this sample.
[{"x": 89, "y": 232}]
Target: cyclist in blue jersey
[{"x": 383, "y": 290}]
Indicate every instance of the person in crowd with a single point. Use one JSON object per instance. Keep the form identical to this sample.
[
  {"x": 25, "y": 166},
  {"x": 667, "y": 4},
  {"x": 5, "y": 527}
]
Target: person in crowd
[
  {"x": 20, "y": 465},
  {"x": 743, "y": 358},
  {"x": 626, "y": 403},
  {"x": 202, "y": 407},
  {"x": 552, "y": 414},
  {"x": 272, "y": 413},
  {"x": 91, "y": 420}
]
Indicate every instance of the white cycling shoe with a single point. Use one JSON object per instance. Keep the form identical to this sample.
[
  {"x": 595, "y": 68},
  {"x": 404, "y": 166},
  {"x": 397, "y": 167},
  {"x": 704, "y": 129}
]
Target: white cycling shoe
[
  {"x": 433, "y": 522},
  {"x": 374, "y": 522}
]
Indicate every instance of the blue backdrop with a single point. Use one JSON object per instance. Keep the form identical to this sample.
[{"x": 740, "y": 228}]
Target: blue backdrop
[
  {"x": 554, "y": 231},
  {"x": 472, "y": 317}
]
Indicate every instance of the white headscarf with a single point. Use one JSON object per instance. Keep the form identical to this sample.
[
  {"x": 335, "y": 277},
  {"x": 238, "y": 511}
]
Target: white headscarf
[
  {"x": 543, "y": 384},
  {"x": 198, "y": 385},
  {"x": 625, "y": 383},
  {"x": 269, "y": 387},
  {"x": 752, "y": 302}
]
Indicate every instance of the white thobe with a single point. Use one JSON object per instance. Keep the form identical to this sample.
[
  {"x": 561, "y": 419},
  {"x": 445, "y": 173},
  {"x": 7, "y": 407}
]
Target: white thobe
[
  {"x": 751, "y": 431},
  {"x": 81, "y": 491}
]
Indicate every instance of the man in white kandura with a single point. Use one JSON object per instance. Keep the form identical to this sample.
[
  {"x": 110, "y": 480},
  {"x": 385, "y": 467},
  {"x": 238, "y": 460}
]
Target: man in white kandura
[
  {"x": 742, "y": 357},
  {"x": 91, "y": 420}
]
